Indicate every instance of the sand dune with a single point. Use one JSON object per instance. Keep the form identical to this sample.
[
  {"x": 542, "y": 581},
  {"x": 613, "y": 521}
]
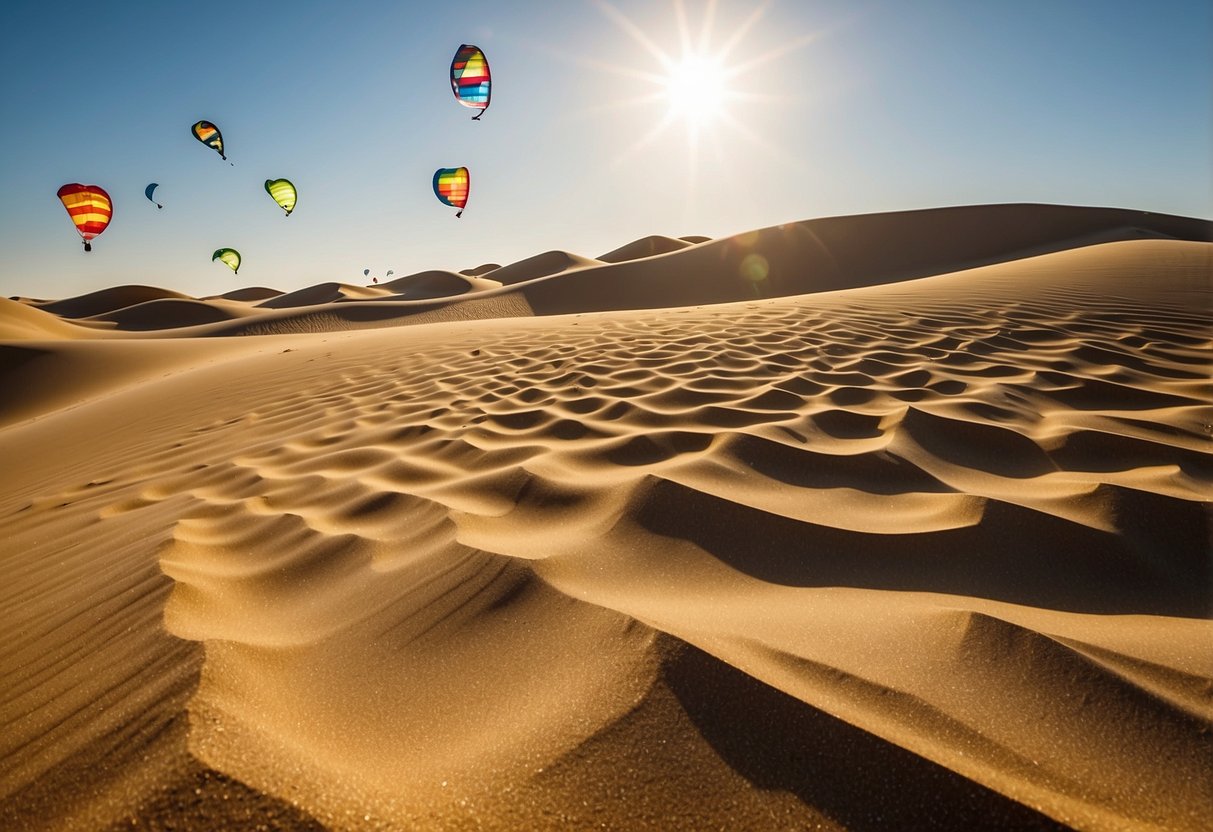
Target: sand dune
[
  {"x": 437, "y": 283},
  {"x": 321, "y": 293},
  {"x": 481, "y": 269},
  {"x": 165, "y": 313},
  {"x": 540, "y": 265},
  {"x": 19, "y": 322},
  {"x": 644, "y": 247},
  {"x": 913, "y": 554},
  {"x": 106, "y": 300},
  {"x": 250, "y": 294},
  {"x": 796, "y": 258}
]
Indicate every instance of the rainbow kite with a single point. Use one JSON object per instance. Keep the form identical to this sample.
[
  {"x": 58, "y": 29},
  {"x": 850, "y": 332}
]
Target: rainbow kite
[
  {"x": 90, "y": 208},
  {"x": 470, "y": 80},
  {"x": 451, "y": 186}
]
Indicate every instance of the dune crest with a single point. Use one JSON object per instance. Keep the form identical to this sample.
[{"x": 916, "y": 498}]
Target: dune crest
[{"x": 645, "y": 247}]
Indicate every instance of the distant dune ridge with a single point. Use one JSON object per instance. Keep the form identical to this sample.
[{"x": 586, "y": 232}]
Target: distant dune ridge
[
  {"x": 896, "y": 521},
  {"x": 797, "y": 258}
]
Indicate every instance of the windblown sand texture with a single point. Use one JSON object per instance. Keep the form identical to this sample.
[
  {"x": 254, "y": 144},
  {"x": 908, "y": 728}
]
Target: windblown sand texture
[{"x": 906, "y": 529}]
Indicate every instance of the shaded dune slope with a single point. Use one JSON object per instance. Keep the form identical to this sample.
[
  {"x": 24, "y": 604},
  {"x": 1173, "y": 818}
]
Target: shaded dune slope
[
  {"x": 106, "y": 300},
  {"x": 171, "y": 313}
]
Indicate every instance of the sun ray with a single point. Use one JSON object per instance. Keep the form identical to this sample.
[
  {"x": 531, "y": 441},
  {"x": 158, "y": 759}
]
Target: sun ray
[
  {"x": 684, "y": 26},
  {"x": 740, "y": 32},
  {"x": 695, "y": 85},
  {"x": 635, "y": 32},
  {"x": 757, "y": 140},
  {"x": 620, "y": 104},
  {"x": 644, "y": 141},
  {"x": 563, "y": 55},
  {"x": 705, "y": 31},
  {"x": 773, "y": 54}
]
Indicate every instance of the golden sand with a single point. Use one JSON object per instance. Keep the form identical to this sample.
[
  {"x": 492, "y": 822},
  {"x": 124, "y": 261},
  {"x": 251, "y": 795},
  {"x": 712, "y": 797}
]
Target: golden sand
[{"x": 903, "y": 525}]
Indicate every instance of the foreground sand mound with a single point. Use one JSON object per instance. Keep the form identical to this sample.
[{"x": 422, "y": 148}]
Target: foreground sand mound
[{"x": 928, "y": 555}]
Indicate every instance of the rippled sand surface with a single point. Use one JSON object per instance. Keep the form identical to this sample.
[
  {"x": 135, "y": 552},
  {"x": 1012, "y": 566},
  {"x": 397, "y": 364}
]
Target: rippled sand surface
[{"x": 918, "y": 553}]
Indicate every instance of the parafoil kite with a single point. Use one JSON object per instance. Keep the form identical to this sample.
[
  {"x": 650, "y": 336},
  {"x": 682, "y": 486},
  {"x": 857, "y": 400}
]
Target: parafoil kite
[
  {"x": 147, "y": 192},
  {"x": 210, "y": 136},
  {"x": 451, "y": 186},
  {"x": 90, "y": 208},
  {"x": 283, "y": 192},
  {"x": 470, "y": 79},
  {"x": 228, "y": 257}
]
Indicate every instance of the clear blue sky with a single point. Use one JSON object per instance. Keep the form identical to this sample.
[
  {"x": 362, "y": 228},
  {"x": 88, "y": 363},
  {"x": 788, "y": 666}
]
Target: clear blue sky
[{"x": 869, "y": 107}]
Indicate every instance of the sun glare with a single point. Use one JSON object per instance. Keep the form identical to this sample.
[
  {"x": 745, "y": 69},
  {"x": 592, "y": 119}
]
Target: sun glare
[
  {"x": 697, "y": 88},
  {"x": 704, "y": 79}
]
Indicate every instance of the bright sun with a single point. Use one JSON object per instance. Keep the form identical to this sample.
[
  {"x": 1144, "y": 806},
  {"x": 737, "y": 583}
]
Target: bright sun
[
  {"x": 699, "y": 79},
  {"x": 697, "y": 88}
]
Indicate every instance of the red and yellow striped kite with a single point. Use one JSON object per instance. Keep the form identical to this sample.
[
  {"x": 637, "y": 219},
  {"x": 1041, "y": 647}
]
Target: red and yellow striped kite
[
  {"x": 451, "y": 186},
  {"x": 90, "y": 208}
]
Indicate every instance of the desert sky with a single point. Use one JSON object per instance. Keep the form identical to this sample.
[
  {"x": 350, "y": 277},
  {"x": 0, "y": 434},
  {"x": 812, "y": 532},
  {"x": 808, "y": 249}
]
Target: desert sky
[{"x": 805, "y": 109}]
